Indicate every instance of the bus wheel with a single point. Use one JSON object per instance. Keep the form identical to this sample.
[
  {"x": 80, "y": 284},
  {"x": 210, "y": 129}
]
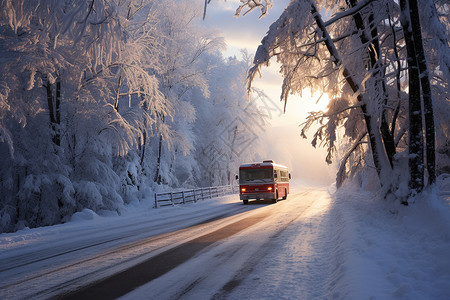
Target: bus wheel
[
  {"x": 245, "y": 201},
  {"x": 285, "y": 194},
  {"x": 276, "y": 198}
]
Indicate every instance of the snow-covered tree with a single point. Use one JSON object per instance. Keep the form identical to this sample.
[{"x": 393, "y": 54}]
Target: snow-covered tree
[
  {"x": 232, "y": 123},
  {"x": 66, "y": 67},
  {"x": 370, "y": 57},
  {"x": 94, "y": 95},
  {"x": 49, "y": 46},
  {"x": 181, "y": 70}
]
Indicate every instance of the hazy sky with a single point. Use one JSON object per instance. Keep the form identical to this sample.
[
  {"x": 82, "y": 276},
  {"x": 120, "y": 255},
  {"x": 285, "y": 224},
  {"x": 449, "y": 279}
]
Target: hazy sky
[{"x": 283, "y": 140}]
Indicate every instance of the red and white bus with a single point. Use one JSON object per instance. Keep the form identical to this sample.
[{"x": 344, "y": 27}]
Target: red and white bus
[{"x": 266, "y": 180}]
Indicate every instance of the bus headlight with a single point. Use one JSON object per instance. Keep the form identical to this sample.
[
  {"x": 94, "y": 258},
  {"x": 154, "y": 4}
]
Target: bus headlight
[
  {"x": 243, "y": 190},
  {"x": 269, "y": 188}
]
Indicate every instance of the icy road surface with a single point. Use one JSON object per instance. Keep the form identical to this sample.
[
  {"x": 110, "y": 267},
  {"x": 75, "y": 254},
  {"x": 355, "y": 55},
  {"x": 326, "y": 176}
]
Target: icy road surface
[
  {"x": 283, "y": 256},
  {"x": 234, "y": 240}
]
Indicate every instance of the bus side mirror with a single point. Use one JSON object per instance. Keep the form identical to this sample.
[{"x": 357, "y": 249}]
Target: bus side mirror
[
  {"x": 237, "y": 177},
  {"x": 289, "y": 175}
]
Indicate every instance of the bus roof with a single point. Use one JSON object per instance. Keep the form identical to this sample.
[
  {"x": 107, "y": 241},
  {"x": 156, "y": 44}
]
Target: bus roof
[{"x": 263, "y": 164}]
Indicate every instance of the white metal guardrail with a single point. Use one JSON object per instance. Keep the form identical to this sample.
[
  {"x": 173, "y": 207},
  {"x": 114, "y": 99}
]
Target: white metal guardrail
[{"x": 193, "y": 195}]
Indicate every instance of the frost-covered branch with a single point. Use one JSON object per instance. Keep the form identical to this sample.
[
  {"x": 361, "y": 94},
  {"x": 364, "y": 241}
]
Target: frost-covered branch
[
  {"x": 253, "y": 4},
  {"x": 348, "y": 13},
  {"x": 340, "y": 176}
]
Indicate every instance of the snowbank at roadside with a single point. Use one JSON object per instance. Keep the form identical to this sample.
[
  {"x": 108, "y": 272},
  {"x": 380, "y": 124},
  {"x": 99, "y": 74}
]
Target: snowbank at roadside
[{"x": 396, "y": 252}]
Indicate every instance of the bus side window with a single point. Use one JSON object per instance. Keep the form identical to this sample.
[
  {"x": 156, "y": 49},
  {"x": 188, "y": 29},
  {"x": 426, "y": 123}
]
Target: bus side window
[
  {"x": 275, "y": 175},
  {"x": 285, "y": 176}
]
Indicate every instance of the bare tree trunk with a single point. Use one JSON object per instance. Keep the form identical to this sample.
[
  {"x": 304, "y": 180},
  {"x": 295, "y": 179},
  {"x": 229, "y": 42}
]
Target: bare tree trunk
[
  {"x": 426, "y": 91},
  {"x": 143, "y": 146},
  {"x": 143, "y": 143},
  {"x": 54, "y": 109},
  {"x": 157, "y": 177},
  {"x": 416, "y": 163},
  {"x": 58, "y": 109},
  {"x": 116, "y": 101}
]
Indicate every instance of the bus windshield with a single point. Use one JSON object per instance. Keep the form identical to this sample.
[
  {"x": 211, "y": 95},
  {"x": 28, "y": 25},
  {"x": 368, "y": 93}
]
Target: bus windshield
[{"x": 255, "y": 174}]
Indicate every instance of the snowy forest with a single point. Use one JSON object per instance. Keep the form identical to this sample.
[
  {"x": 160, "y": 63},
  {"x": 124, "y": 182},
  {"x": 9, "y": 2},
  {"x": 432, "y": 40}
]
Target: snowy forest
[
  {"x": 102, "y": 102},
  {"x": 385, "y": 65}
]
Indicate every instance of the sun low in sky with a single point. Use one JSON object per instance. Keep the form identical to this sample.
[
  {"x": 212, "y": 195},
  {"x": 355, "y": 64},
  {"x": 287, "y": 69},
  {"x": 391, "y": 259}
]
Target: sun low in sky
[{"x": 283, "y": 141}]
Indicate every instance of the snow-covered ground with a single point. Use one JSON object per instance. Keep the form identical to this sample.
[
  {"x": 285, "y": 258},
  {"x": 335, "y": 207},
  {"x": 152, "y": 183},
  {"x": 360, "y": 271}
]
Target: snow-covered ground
[{"x": 316, "y": 245}]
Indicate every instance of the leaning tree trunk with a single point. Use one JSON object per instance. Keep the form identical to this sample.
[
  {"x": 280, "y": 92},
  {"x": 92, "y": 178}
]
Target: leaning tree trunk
[
  {"x": 374, "y": 136},
  {"x": 416, "y": 163},
  {"x": 373, "y": 50},
  {"x": 397, "y": 79}
]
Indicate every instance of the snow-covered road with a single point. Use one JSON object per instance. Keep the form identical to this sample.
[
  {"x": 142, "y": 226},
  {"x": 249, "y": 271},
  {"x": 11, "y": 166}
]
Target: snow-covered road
[
  {"x": 47, "y": 262},
  {"x": 315, "y": 245},
  {"x": 218, "y": 271}
]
